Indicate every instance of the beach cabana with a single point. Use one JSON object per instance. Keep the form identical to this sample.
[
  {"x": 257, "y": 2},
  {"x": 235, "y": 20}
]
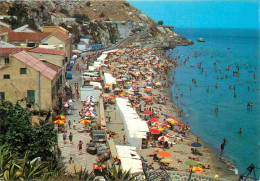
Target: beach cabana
[{"x": 135, "y": 127}]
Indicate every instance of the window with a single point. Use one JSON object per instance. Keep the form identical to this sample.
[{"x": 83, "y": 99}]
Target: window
[
  {"x": 30, "y": 44},
  {"x": 6, "y": 76},
  {"x": 31, "y": 96},
  {"x": 22, "y": 70},
  {"x": 6, "y": 60},
  {"x": 2, "y": 96}
]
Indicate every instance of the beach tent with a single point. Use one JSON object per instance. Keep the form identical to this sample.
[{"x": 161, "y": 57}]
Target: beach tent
[
  {"x": 135, "y": 128},
  {"x": 109, "y": 79},
  {"x": 129, "y": 159}
]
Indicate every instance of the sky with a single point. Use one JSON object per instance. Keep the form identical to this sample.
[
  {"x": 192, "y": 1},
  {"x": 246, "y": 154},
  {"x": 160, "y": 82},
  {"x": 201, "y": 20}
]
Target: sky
[{"x": 203, "y": 14}]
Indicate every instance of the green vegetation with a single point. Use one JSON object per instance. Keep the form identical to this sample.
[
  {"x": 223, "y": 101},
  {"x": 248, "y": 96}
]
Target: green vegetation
[
  {"x": 160, "y": 23},
  {"x": 88, "y": 3},
  {"x": 80, "y": 18},
  {"x": 17, "y": 131},
  {"x": 126, "y": 4},
  {"x": 65, "y": 12},
  {"x": 117, "y": 174},
  {"x": 21, "y": 12}
]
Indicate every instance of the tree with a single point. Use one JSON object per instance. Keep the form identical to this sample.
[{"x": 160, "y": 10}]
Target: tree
[
  {"x": 160, "y": 23},
  {"x": 17, "y": 131},
  {"x": 65, "y": 12}
]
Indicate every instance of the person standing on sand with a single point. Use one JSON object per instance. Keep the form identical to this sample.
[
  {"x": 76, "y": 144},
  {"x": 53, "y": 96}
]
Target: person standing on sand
[
  {"x": 80, "y": 147},
  {"x": 70, "y": 137},
  {"x": 69, "y": 123},
  {"x": 124, "y": 139},
  {"x": 64, "y": 137}
]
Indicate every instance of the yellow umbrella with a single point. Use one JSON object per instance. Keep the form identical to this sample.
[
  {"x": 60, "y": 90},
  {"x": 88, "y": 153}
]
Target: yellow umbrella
[
  {"x": 166, "y": 160},
  {"x": 59, "y": 122},
  {"x": 160, "y": 129},
  {"x": 60, "y": 117},
  {"x": 84, "y": 121},
  {"x": 197, "y": 169},
  {"x": 173, "y": 122}
]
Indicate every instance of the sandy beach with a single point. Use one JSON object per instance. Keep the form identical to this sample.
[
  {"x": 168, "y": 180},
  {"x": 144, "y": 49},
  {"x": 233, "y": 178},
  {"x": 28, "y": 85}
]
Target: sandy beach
[{"x": 138, "y": 61}]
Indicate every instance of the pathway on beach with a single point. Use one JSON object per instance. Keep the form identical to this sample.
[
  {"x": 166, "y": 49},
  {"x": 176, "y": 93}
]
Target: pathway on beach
[{"x": 70, "y": 150}]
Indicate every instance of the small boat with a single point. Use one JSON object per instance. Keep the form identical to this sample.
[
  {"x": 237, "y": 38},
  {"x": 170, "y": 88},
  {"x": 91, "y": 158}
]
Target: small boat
[
  {"x": 92, "y": 150},
  {"x": 200, "y": 40}
]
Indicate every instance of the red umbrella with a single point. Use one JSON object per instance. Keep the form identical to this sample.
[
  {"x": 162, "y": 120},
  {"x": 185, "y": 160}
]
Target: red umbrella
[
  {"x": 112, "y": 97},
  {"x": 148, "y": 112},
  {"x": 164, "y": 154},
  {"x": 148, "y": 97},
  {"x": 165, "y": 126},
  {"x": 182, "y": 125},
  {"x": 155, "y": 131},
  {"x": 154, "y": 120},
  {"x": 170, "y": 117}
]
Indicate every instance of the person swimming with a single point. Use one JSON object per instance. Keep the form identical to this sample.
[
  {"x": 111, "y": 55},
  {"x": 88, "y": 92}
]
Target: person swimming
[
  {"x": 216, "y": 109},
  {"x": 240, "y": 131}
]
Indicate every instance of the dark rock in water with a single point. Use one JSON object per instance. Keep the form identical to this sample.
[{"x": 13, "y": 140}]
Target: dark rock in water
[
  {"x": 190, "y": 42},
  {"x": 200, "y": 40}
]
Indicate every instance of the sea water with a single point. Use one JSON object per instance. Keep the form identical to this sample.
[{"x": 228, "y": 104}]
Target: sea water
[{"x": 231, "y": 48}]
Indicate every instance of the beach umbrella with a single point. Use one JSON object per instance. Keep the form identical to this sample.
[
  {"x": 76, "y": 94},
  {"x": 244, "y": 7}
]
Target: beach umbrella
[
  {"x": 70, "y": 100},
  {"x": 153, "y": 120},
  {"x": 148, "y": 97},
  {"x": 169, "y": 119},
  {"x": 165, "y": 126},
  {"x": 112, "y": 97},
  {"x": 84, "y": 121},
  {"x": 105, "y": 95},
  {"x": 166, "y": 160},
  {"x": 121, "y": 94},
  {"x": 148, "y": 112},
  {"x": 191, "y": 163},
  {"x": 163, "y": 138},
  {"x": 196, "y": 144},
  {"x": 148, "y": 88},
  {"x": 66, "y": 105},
  {"x": 118, "y": 80},
  {"x": 60, "y": 117},
  {"x": 59, "y": 122},
  {"x": 164, "y": 154},
  {"x": 91, "y": 114},
  {"x": 174, "y": 122},
  {"x": 144, "y": 82},
  {"x": 160, "y": 129},
  {"x": 155, "y": 131},
  {"x": 197, "y": 169}
]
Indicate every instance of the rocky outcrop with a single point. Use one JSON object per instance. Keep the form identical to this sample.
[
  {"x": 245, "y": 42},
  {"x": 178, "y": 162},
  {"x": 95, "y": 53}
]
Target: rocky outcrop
[{"x": 168, "y": 37}]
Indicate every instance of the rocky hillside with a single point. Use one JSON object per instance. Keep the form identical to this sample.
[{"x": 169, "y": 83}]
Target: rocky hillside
[{"x": 113, "y": 10}]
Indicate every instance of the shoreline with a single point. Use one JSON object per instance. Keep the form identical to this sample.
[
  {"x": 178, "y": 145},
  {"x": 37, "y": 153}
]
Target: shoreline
[
  {"x": 182, "y": 147},
  {"x": 213, "y": 152}
]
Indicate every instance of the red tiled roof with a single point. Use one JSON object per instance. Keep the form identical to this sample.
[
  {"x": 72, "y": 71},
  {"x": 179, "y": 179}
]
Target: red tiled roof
[
  {"x": 61, "y": 35},
  {"x": 12, "y": 50},
  {"x": 53, "y": 67},
  {"x": 47, "y": 51},
  {"x": 4, "y": 29},
  {"x": 5, "y": 22},
  {"x": 30, "y": 36},
  {"x": 36, "y": 64}
]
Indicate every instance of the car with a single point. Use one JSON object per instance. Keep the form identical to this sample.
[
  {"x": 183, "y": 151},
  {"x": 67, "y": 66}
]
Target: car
[
  {"x": 69, "y": 76},
  {"x": 69, "y": 67}
]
